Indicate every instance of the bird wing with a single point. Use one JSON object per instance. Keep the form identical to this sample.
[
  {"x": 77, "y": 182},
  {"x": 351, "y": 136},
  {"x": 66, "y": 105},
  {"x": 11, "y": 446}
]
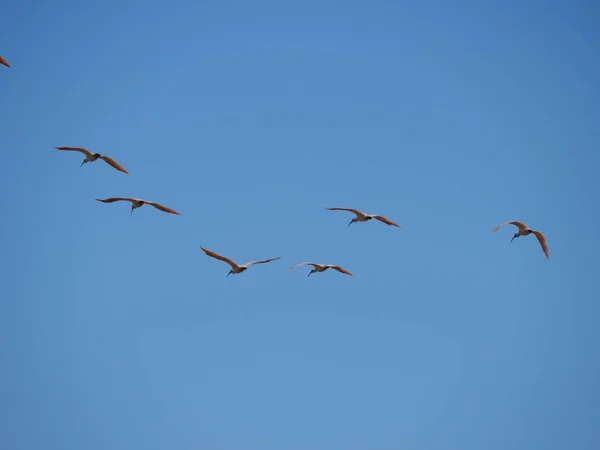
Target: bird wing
[
  {"x": 387, "y": 221},
  {"x": 75, "y": 149},
  {"x": 219, "y": 257},
  {"x": 112, "y": 162},
  {"x": 542, "y": 240},
  {"x": 355, "y": 211},
  {"x": 117, "y": 199},
  {"x": 339, "y": 269},
  {"x": 304, "y": 264},
  {"x": 520, "y": 225},
  {"x": 162, "y": 208},
  {"x": 262, "y": 261},
  {"x": 3, "y": 62}
]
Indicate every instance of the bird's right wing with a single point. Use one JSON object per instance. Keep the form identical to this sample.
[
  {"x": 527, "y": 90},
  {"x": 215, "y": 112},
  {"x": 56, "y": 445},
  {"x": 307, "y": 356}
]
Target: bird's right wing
[
  {"x": 355, "y": 211},
  {"x": 219, "y": 257},
  {"x": 262, "y": 261},
  {"x": 117, "y": 199},
  {"x": 112, "y": 162},
  {"x": 520, "y": 225},
  {"x": 303, "y": 264},
  {"x": 75, "y": 149},
  {"x": 542, "y": 240},
  {"x": 3, "y": 62},
  {"x": 339, "y": 269},
  {"x": 162, "y": 208}
]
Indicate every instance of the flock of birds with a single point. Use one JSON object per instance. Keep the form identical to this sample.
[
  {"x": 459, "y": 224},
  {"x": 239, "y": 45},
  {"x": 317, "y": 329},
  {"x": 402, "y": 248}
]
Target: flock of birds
[{"x": 523, "y": 230}]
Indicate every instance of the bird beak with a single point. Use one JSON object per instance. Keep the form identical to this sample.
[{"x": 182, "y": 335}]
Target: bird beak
[
  {"x": 310, "y": 273},
  {"x": 131, "y": 210},
  {"x": 351, "y": 222},
  {"x": 82, "y": 163},
  {"x": 512, "y": 239},
  {"x": 229, "y": 273}
]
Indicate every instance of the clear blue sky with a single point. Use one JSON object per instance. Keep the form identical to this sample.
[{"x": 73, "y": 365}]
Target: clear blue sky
[{"x": 250, "y": 118}]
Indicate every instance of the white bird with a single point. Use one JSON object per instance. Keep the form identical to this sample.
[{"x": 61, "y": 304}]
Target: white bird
[
  {"x": 362, "y": 217},
  {"x": 91, "y": 157},
  {"x": 321, "y": 268},
  {"x": 524, "y": 230},
  {"x": 138, "y": 203},
  {"x": 236, "y": 268},
  {"x": 3, "y": 62}
]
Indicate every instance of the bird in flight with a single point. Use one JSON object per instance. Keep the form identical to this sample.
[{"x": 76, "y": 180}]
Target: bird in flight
[
  {"x": 362, "y": 217},
  {"x": 3, "y": 62},
  {"x": 138, "y": 203},
  {"x": 321, "y": 268},
  {"x": 91, "y": 157},
  {"x": 236, "y": 268},
  {"x": 524, "y": 230}
]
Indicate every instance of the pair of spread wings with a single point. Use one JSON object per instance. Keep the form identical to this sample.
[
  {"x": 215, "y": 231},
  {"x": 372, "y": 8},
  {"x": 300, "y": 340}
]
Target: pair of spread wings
[
  {"x": 522, "y": 227},
  {"x": 233, "y": 264},
  {"x": 87, "y": 153},
  {"x": 331, "y": 266},
  {"x": 135, "y": 200},
  {"x": 361, "y": 214}
]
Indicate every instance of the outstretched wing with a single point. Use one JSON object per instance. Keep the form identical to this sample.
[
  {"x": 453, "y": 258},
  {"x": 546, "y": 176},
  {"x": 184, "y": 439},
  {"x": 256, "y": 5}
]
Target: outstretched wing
[
  {"x": 162, "y": 208},
  {"x": 117, "y": 199},
  {"x": 341, "y": 270},
  {"x": 219, "y": 257},
  {"x": 355, "y": 211},
  {"x": 75, "y": 149},
  {"x": 112, "y": 162},
  {"x": 303, "y": 264},
  {"x": 387, "y": 221},
  {"x": 520, "y": 225},
  {"x": 542, "y": 240},
  {"x": 262, "y": 261},
  {"x": 3, "y": 62}
]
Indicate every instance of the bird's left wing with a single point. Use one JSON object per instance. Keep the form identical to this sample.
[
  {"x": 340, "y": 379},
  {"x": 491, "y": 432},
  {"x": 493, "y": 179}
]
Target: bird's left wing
[
  {"x": 341, "y": 270},
  {"x": 162, "y": 208},
  {"x": 262, "y": 261},
  {"x": 387, "y": 221},
  {"x": 113, "y": 163},
  {"x": 542, "y": 240}
]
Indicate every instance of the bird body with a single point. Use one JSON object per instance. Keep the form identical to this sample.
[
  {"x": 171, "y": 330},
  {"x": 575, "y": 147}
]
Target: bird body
[
  {"x": 91, "y": 157},
  {"x": 3, "y": 62},
  {"x": 321, "y": 268},
  {"x": 362, "y": 217},
  {"x": 236, "y": 268},
  {"x": 138, "y": 203},
  {"x": 524, "y": 230}
]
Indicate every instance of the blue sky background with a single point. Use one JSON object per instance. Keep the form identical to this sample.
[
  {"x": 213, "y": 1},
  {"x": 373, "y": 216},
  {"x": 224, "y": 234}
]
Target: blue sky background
[{"x": 249, "y": 118}]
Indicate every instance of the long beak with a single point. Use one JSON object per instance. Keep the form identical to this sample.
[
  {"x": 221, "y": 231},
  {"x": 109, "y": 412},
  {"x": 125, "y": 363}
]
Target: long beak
[
  {"x": 229, "y": 273},
  {"x": 82, "y": 163},
  {"x": 512, "y": 238},
  {"x": 351, "y": 222},
  {"x": 131, "y": 210},
  {"x": 309, "y": 273}
]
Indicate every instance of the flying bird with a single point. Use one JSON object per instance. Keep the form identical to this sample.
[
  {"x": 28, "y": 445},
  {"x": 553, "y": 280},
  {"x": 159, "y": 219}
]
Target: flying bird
[
  {"x": 524, "y": 230},
  {"x": 236, "y": 268},
  {"x": 3, "y": 62},
  {"x": 91, "y": 157},
  {"x": 362, "y": 217},
  {"x": 138, "y": 203},
  {"x": 321, "y": 268}
]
